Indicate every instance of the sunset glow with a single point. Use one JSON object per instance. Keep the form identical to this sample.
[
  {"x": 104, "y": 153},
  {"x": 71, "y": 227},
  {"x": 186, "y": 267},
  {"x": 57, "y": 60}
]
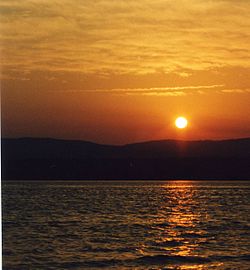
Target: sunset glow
[{"x": 114, "y": 71}]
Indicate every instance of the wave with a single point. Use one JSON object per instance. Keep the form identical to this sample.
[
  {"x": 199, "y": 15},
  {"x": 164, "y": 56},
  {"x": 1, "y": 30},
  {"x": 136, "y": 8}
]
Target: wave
[
  {"x": 106, "y": 249},
  {"x": 244, "y": 257},
  {"x": 141, "y": 261},
  {"x": 169, "y": 243},
  {"x": 165, "y": 259},
  {"x": 193, "y": 235},
  {"x": 144, "y": 261},
  {"x": 162, "y": 259}
]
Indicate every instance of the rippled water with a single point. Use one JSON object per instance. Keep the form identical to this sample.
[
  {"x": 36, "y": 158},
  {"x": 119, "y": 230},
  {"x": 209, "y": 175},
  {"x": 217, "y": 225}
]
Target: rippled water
[{"x": 126, "y": 225}]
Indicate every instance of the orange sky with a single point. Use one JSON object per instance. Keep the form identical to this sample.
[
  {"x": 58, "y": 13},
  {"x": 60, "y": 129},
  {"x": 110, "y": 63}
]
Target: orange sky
[{"x": 122, "y": 71}]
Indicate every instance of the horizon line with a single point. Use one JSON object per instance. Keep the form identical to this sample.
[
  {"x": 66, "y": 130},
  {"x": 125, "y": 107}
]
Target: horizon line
[{"x": 125, "y": 144}]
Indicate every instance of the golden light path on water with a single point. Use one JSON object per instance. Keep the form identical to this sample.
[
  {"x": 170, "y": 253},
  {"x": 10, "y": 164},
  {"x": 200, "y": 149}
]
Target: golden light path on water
[{"x": 184, "y": 217}]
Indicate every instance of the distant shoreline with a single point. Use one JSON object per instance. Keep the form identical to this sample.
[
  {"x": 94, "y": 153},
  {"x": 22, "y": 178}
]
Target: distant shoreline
[
  {"x": 4, "y": 181},
  {"x": 46, "y": 159}
]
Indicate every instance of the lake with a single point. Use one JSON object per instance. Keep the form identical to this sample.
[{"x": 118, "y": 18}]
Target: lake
[{"x": 126, "y": 225}]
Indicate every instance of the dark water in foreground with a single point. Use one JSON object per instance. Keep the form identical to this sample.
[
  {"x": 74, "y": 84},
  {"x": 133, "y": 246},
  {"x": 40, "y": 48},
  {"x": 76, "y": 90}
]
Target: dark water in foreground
[{"x": 126, "y": 225}]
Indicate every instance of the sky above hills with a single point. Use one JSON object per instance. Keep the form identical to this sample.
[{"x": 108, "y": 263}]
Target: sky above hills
[{"x": 122, "y": 71}]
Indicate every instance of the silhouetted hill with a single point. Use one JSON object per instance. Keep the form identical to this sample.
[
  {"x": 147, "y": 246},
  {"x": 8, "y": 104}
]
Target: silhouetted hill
[
  {"x": 45, "y": 158},
  {"x": 31, "y": 148},
  {"x": 171, "y": 148},
  {"x": 46, "y": 148}
]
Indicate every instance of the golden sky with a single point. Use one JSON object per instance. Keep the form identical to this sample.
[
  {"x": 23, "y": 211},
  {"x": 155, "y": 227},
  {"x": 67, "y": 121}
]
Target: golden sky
[{"x": 115, "y": 71}]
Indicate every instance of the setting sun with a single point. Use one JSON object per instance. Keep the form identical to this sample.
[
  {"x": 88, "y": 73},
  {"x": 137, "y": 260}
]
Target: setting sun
[{"x": 181, "y": 122}]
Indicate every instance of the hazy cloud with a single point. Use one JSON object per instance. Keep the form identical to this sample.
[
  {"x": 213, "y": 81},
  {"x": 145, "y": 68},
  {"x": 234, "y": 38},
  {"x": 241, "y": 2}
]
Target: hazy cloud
[
  {"x": 138, "y": 37},
  {"x": 165, "y": 91},
  {"x": 240, "y": 91}
]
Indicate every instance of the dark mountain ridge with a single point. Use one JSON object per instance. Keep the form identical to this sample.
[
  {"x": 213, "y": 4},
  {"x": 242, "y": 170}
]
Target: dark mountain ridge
[
  {"x": 45, "y": 158},
  {"x": 26, "y": 148}
]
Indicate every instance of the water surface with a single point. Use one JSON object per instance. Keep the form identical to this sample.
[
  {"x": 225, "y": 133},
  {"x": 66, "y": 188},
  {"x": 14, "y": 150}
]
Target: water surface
[{"x": 126, "y": 225}]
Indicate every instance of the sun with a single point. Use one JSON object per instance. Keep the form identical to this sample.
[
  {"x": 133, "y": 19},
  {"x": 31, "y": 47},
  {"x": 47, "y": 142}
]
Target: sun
[{"x": 181, "y": 122}]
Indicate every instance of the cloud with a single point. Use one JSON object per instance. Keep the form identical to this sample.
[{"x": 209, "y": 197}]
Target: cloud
[
  {"x": 158, "y": 88},
  {"x": 155, "y": 91},
  {"x": 239, "y": 91},
  {"x": 177, "y": 91},
  {"x": 124, "y": 37},
  {"x": 166, "y": 94}
]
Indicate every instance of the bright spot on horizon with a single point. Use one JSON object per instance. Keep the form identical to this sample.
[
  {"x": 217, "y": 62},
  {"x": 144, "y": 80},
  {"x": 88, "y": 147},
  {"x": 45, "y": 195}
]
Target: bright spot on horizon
[{"x": 181, "y": 122}]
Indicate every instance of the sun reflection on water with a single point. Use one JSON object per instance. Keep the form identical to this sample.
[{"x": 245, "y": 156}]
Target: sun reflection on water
[
  {"x": 183, "y": 217},
  {"x": 179, "y": 236}
]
